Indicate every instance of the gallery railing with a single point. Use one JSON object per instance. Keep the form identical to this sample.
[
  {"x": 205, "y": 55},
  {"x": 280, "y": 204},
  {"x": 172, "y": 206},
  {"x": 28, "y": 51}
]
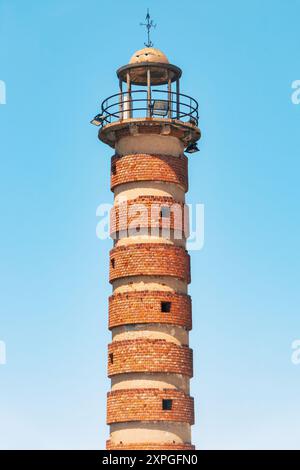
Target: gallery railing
[{"x": 140, "y": 104}]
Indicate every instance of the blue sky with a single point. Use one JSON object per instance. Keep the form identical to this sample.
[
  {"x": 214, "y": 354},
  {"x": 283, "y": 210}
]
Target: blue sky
[{"x": 58, "y": 60}]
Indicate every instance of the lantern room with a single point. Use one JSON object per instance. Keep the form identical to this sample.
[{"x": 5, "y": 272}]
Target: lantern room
[{"x": 149, "y": 90}]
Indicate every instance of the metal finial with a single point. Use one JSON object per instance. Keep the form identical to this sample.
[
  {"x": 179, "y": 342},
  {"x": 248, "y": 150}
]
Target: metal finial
[{"x": 149, "y": 24}]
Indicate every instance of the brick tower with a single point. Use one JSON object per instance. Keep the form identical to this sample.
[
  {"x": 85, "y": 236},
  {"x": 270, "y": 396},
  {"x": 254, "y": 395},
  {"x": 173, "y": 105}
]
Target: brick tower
[{"x": 149, "y": 126}]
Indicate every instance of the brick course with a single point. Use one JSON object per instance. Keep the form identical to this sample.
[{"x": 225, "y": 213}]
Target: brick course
[
  {"x": 148, "y": 446},
  {"x": 149, "y": 355},
  {"x": 143, "y": 167},
  {"x": 145, "y": 211},
  {"x": 149, "y": 259},
  {"x": 145, "y": 307},
  {"x": 146, "y": 405}
]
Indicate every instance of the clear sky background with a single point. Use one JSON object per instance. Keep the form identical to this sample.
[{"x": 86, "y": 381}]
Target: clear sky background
[{"x": 58, "y": 60}]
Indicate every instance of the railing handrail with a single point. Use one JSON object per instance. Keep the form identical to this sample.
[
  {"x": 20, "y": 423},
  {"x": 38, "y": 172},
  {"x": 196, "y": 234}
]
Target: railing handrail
[
  {"x": 179, "y": 94},
  {"x": 174, "y": 98}
]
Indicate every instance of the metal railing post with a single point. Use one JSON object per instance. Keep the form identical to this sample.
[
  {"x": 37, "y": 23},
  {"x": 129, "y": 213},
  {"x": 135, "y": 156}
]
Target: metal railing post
[
  {"x": 148, "y": 93},
  {"x": 170, "y": 97},
  {"x": 177, "y": 99},
  {"x": 121, "y": 99},
  {"x": 129, "y": 106}
]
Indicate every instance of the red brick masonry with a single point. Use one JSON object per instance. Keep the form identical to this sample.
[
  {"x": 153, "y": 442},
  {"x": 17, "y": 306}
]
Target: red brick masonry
[
  {"x": 143, "y": 167},
  {"x": 146, "y": 307},
  {"x": 149, "y": 355},
  {"x": 148, "y": 446},
  {"x": 145, "y": 212},
  {"x": 146, "y": 405},
  {"x": 149, "y": 259}
]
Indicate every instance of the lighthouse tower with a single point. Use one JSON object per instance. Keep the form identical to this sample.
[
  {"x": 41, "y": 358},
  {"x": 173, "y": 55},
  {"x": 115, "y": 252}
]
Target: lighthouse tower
[{"x": 150, "y": 125}]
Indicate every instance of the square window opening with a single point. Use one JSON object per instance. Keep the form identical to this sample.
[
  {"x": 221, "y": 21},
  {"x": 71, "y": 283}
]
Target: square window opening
[
  {"x": 166, "y": 307},
  {"x": 167, "y": 404}
]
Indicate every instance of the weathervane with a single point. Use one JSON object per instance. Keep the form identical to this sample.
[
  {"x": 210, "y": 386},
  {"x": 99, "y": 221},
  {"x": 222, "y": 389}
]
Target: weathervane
[{"x": 149, "y": 24}]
